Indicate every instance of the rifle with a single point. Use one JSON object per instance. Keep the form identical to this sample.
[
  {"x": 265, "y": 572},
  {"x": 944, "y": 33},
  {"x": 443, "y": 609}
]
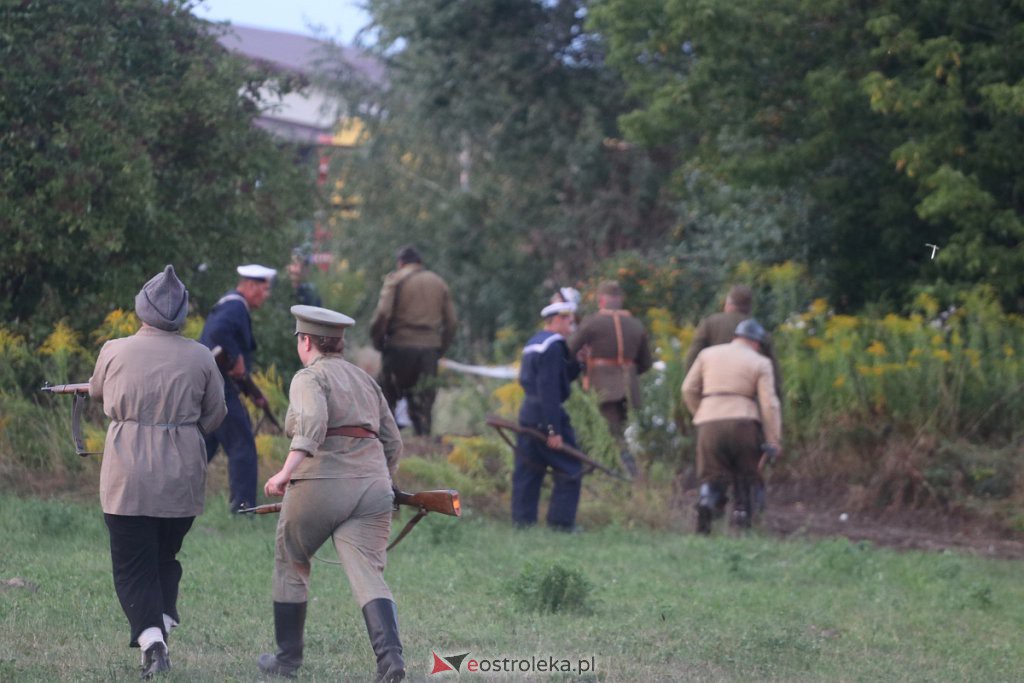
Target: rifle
[
  {"x": 500, "y": 423},
  {"x": 246, "y": 386},
  {"x": 444, "y": 501},
  {"x": 81, "y": 395}
]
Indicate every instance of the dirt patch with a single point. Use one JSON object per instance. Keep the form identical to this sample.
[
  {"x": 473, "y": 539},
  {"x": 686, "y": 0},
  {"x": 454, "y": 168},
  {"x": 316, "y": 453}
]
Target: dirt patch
[{"x": 800, "y": 510}]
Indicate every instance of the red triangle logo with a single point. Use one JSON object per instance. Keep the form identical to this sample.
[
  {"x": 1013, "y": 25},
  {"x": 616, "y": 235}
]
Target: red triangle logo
[{"x": 440, "y": 665}]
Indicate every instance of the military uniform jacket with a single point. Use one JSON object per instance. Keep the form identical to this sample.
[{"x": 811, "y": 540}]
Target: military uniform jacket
[
  {"x": 229, "y": 326},
  {"x": 615, "y": 360},
  {"x": 720, "y": 328},
  {"x": 545, "y": 375},
  {"x": 414, "y": 309},
  {"x": 331, "y": 392},
  {"x": 159, "y": 390},
  {"x": 733, "y": 382}
]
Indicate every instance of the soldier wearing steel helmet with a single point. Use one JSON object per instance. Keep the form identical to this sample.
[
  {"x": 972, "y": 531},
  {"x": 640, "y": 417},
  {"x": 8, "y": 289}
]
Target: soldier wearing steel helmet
[
  {"x": 337, "y": 484},
  {"x": 730, "y": 390}
]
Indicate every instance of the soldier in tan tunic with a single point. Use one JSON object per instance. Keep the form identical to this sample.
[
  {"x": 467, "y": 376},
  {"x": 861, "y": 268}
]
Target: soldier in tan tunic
[
  {"x": 337, "y": 484},
  {"x": 162, "y": 392},
  {"x": 616, "y": 352},
  {"x": 730, "y": 390},
  {"x": 412, "y": 327}
]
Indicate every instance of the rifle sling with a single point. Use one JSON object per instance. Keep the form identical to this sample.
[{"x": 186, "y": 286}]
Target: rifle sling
[{"x": 408, "y": 527}]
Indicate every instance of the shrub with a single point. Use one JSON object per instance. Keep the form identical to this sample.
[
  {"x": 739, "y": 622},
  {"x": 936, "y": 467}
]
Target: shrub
[{"x": 551, "y": 588}]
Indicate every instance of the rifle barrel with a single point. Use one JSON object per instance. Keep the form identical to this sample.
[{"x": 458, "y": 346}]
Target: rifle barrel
[{"x": 80, "y": 388}]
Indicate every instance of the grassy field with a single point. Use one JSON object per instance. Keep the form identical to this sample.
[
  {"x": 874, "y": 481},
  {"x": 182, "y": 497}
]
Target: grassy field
[{"x": 661, "y": 607}]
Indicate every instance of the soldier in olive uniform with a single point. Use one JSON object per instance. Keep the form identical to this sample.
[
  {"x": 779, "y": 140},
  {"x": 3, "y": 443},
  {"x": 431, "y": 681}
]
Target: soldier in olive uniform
[
  {"x": 618, "y": 353},
  {"x": 337, "y": 484},
  {"x": 413, "y": 326},
  {"x": 719, "y": 328}
]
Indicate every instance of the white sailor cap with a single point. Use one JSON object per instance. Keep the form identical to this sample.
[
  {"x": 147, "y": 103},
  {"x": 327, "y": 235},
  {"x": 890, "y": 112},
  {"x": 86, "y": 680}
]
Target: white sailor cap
[
  {"x": 570, "y": 295},
  {"x": 254, "y": 271},
  {"x": 320, "y": 322},
  {"x": 558, "y": 307}
]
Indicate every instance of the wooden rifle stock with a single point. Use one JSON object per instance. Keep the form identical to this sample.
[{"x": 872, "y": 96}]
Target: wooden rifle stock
[
  {"x": 444, "y": 501},
  {"x": 500, "y": 423}
]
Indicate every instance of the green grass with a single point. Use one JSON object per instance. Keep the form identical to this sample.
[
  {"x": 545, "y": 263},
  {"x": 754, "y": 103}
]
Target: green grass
[{"x": 663, "y": 606}]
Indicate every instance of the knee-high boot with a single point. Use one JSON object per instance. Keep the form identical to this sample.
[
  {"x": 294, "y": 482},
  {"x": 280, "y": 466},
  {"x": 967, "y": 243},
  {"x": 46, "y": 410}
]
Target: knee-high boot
[
  {"x": 289, "y": 624},
  {"x": 381, "y": 617}
]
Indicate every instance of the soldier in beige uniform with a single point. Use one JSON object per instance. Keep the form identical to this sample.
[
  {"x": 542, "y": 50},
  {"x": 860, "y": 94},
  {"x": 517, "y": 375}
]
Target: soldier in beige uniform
[
  {"x": 413, "y": 326},
  {"x": 337, "y": 484},
  {"x": 730, "y": 390},
  {"x": 162, "y": 392},
  {"x": 616, "y": 352}
]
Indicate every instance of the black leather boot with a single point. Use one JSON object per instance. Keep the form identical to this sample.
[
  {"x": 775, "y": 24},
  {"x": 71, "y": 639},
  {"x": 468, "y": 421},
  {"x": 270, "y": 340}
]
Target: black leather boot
[
  {"x": 381, "y": 617},
  {"x": 289, "y": 624}
]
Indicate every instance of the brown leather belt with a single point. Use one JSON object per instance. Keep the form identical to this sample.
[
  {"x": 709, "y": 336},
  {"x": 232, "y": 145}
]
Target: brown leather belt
[
  {"x": 352, "y": 431},
  {"x": 610, "y": 361}
]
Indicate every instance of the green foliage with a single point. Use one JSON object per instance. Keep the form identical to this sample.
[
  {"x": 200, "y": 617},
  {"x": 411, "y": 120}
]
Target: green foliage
[
  {"x": 849, "y": 135},
  {"x": 960, "y": 375},
  {"x": 552, "y": 588},
  {"x": 591, "y": 428},
  {"x": 491, "y": 143},
  {"x": 126, "y": 142}
]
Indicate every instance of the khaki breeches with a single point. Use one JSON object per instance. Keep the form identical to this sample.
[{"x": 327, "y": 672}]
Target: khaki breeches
[{"x": 355, "y": 513}]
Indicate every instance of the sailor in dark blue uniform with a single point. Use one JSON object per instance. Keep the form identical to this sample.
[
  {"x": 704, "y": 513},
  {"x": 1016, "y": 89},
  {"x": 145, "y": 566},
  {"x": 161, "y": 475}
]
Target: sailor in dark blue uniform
[
  {"x": 547, "y": 369},
  {"x": 229, "y": 327}
]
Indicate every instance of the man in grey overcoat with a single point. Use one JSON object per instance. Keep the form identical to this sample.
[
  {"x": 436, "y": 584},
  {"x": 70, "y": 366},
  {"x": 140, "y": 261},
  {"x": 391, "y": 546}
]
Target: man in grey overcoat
[{"x": 162, "y": 393}]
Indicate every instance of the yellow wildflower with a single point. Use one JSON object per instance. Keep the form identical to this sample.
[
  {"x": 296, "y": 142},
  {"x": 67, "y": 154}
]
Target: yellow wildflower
[
  {"x": 927, "y": 303},
  {"x": 509, "y": 397},
  {"x": 876, "y": 348},
  {"x": 118, "y": 323},
  {"x": 814, "y": 342},
  {"x": 840, "y": 382},
  {"x": 838, "y": 324},
  {"x": 818, "y": 307},
  {"x": 1008, "y": 351},
  {"x": 943, "y": 355},
  {"x": 63, "y": 340}
]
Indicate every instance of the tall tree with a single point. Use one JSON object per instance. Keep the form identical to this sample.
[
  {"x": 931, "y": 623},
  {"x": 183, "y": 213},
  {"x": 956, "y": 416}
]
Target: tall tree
[
  {"x": 126, "y": 143},
  {"x": 491, "y": 143},
  {"x": 880, "y": 118}
]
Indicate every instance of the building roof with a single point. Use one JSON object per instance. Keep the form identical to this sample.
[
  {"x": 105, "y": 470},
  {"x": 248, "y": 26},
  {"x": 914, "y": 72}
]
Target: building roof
[
  {"x": 309, "y": 116},
  {"x": 297, "y": 53}
]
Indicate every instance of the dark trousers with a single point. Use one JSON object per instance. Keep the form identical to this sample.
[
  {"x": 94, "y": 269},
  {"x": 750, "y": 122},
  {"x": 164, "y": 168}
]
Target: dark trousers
[
  {"x": 616, "y": 414},
  {"x": 533, "y": 457},
  {"x": 143, "y": 552},
  {"x": 728, "y": 452},
  {"x": 235, "y": 435},
  {"x": 409, "y": 372}
]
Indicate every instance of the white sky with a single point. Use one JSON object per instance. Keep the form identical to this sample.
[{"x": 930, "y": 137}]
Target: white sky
[{"x": 341, "y": 18}]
